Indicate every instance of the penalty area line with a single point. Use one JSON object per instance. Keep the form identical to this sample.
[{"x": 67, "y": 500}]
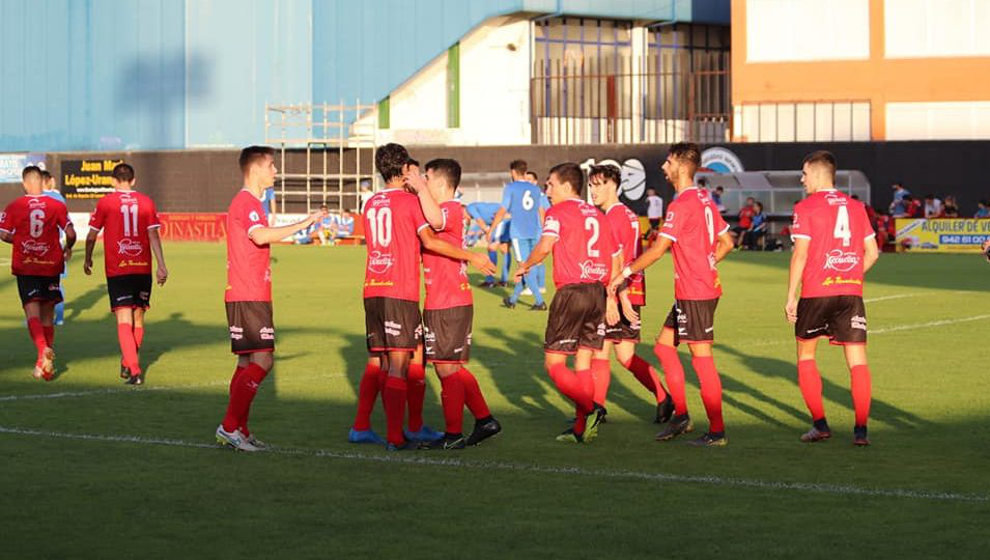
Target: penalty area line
[{"x": 658, "y": 477}]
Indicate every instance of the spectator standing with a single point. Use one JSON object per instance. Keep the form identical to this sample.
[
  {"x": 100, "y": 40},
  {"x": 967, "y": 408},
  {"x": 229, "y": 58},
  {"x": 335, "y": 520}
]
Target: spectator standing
[
  {"x": 654, "y": 208},
  {"x": 933, "y": 206}
]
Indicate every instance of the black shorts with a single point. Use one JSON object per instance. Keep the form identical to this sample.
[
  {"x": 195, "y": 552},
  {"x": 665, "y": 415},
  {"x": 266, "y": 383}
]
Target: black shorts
[
  {"x": 577, "y": 319},
  {"x": 625, "y": 329},
  {"x": 841, "y": 318},
  {"x": 252, "y": 328},
  {"x": 129, "y": 290},
  {"x": 39, "y": 288},
  {"x": 447, "y": 334},
  {"x": 692, "y": 320},
  {"x": 392, "y": 324}
]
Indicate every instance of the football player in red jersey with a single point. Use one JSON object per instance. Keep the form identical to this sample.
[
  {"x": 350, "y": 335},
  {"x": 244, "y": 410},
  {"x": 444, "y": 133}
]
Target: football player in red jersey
[
  {"x": 698, "y": 237},
  {"x": 130, "y": 224},
  {"x": 834, "y": 246},
  {"x": 623, "y": 336},
  {"x": 395, "y": 229},
  {"x": 248, "y": 296},
  {"x": 584, "y": 258},
  {"x": 31, "y": 223},
  {"x": 447, "y": 316}
]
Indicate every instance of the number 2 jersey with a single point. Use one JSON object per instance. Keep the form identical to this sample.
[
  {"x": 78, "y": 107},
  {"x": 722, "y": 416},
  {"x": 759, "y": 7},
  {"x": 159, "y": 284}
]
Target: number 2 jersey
[
  {"x": 34, "y": 221},
  {"x": 446, "y": 279},
  {"x": 693, "y": 224},
  {"x": 837, "y": 227},
  {"x": 584, "y": 248},
  {"x": 125, "y": 218},
  {"x": 393, "y": 219},
  {"x": 624, "y": 225}
]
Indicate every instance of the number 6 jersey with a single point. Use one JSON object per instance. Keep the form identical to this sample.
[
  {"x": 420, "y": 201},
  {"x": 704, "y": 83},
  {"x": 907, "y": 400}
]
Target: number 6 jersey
[
  {"x": 837, "y": 227},
  {"x": 125, "y": 218},
  {"x": 34, "y": 221}
]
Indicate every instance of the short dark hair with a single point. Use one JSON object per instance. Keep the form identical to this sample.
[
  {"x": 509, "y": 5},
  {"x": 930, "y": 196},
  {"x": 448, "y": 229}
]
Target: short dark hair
[
  {"x": 45, "y": 174},
  {"x": 570, "y": 173},
  {"x": 389, "y": 160},
  {"x": 687, "y": 152},
  {"x": 518, "y": 165},
  {"x": 123, "y": 172},
  {"x": 533, "y": 173},
  {"x": 450, "y": 169},
  {"x": 608, "y": 172},
  {"x": 251, "y": 155},
  {"x": 822, "y": 157},
  {"x": 31, "y": 170},
  {"x": 720, "y": 188}
]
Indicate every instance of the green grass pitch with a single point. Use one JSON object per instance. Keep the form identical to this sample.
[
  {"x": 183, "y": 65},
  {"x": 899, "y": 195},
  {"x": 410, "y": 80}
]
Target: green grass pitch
[{"x": 94, "y": 469}]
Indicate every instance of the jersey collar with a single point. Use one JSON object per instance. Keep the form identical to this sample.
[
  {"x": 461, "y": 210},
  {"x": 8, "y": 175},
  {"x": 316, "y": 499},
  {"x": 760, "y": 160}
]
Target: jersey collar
[
  {"x": 247, "y": 190},
  {"x": 609, "y": 209}
]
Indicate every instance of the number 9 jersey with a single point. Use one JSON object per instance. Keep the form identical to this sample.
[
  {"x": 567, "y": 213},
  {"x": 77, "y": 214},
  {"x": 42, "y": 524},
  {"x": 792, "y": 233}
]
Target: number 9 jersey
[
  {"x": 836, "y": 227},
  {"x": 125, "y": 218},
  {"x": 693, "y": 224},
  {"x": 34, "y": 221}
]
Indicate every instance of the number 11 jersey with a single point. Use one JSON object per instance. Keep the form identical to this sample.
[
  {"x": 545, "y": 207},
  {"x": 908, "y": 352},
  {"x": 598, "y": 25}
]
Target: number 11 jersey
[{"x": 125, "y": 218}]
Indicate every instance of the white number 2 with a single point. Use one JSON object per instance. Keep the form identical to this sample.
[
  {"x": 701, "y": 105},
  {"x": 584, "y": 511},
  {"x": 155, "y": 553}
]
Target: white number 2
[
  {"x": 37, "y": 222},
  {"x": 130, "y": 212},
  {"x": 591, "y": 224},
  {"x": 841, "y": 230},
  {"x": 380, "y": 221}
]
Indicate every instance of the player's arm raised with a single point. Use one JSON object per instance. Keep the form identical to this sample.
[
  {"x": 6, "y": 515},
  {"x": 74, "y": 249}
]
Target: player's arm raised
[
  {"x": 799, "y": 258},
  {"x": 433, "y": 243},
  {"x": 261, "y": 235},
  {"x": 431, "y": 210}
]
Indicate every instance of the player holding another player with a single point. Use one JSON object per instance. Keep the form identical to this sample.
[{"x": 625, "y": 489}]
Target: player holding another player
[
  {"x": 129, "y": 221},
  {"x": 31, "y": 223},
  {"x": 698, "y": 237},
  {"x": 395, "y": 226},
  {"x": 448, "y": 314},
  {"x": 248, "y": 296},
  {"x": 834, "y": 246},
  {"x": 584, "y": 258},
  {"x": 624, "y": 335}
]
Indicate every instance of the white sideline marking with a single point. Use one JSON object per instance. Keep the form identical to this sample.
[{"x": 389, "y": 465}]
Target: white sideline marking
[
  {"x": 533, "y": 468},
  {"x": 929, "y": 324},
  {"x": 885, "y": 298}
]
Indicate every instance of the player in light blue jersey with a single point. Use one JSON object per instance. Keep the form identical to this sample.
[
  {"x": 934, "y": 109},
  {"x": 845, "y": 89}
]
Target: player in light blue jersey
[
  {"x": 521, "y": 200},
  {"x": 268, "y": 203},
  {"x": 50, "y": 191},
  {"x": 541, "y": 269},
  {"x": 483, "y": 213}
]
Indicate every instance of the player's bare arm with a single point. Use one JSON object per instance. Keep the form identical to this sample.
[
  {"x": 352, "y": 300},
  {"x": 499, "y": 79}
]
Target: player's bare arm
[
  {"x": 540, "y": 252},
  {"x": 433, "y": 243},
  {"x": 871, "y": 253},
  {"x": 268, "y": 235},
  {"x": 499, "y": 216},
  {"x": 799, "y": 258},
  {"x": 70, "y": 240},
  {"x": 644, "y": 261},
  {"x": 723, "y": 246},
  {"x": 431, "y": 209},
  {"x": 90, "y": 245},
  {"x": 6, "y": 237},
  {"x": 161, "y": 273}
]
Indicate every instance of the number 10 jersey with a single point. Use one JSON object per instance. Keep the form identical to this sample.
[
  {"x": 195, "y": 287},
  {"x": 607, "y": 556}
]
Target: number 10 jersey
[{"x": 392, "y": 221}]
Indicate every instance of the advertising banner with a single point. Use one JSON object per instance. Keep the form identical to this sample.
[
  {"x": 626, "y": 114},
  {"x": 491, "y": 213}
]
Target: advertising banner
[
  {"x": 941, "y": 235},
  {"x": 87, "y": 178},
  {"x": 193, "y": 226},
  {"x": 11, "y": 165}
]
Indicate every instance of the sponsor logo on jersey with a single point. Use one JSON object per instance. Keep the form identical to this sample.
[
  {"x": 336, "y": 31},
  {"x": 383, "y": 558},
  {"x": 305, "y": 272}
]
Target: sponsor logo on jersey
[
  {"x": 253, "y": 216},
  {"x": 379, "y": 262},
  {"x": 840, "y": 261},
  {"x": 33, "y": 246},
  {"x": 36, "y": 203},
  {"x": 590, "y": 270},
  {"x": 129, "y": 247}
]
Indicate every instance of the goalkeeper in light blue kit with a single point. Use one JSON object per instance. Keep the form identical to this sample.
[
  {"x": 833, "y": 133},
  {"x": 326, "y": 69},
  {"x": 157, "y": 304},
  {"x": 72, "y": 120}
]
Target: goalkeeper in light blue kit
[{"x": 521, "y": 200}]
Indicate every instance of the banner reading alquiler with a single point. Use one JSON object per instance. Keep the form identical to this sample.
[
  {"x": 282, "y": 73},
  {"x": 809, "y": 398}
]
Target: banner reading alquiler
[
  {"x": 941, "y": 235},
  {"x": 87, "y": 178}
]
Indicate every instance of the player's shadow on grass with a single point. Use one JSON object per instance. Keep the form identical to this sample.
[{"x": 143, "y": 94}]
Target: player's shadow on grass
[
  {"x": 76, "y": 305},
  {"x": 831, "y": 391},
  {"x": 516, "y": 368}
]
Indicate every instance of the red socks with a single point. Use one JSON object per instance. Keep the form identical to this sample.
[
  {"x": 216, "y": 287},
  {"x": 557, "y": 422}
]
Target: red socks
[
  {"x": 473, "y": 398},
  {"x": 125, "y": 335},
  {"x": 241, "y": 395},
  {"x": 602, "y": 377},
  {"x": 576, "y": 386},
  {"x": 810, "y": 382},
  {"x": 711, "y": 391},
  {"x": 138, "y": 336},
  {"x": 49, "y": 335},
  {"x": 647, "y": 377},
  {"x": 861, "y": 393},
  {"x": 371, "y": 384},
  {"x": 415, "y": 395},
  {"x": 395, "y": 404},
  {"x": 452, "y": 399},
  {"x": 37, "y": 333},
  {"x": 674, "y": 372}
]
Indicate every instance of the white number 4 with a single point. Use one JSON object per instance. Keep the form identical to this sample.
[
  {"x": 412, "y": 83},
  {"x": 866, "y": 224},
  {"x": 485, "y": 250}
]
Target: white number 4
[{"x": 841, "y": 230}]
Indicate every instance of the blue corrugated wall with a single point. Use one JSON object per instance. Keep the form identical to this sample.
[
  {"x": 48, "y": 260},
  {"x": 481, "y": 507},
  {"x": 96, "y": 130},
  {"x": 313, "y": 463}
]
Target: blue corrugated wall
[{"x": 160, "y": 74}]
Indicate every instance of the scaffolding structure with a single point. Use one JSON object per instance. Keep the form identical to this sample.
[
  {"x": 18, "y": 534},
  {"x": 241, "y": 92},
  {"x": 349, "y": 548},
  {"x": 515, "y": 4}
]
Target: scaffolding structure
[{"x": 326, "y": 155}]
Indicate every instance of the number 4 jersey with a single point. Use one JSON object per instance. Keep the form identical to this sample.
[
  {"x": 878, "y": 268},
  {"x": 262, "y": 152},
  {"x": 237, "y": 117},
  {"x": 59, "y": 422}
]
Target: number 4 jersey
[
  {"x": 34, "y": 221},
  {"x": 693, "y": 224},
  {"x": 837, "y": 227},
  {"x": 125, "y": 218}
]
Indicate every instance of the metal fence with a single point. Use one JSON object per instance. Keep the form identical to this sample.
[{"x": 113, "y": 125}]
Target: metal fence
[{"x": 627, "y": 100}]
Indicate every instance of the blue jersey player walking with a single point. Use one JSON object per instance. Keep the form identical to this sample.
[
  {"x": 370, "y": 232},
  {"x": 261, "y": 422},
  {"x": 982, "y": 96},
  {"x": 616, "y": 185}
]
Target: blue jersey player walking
[
  {"x": 521, "y": 200},
  {"x": 51, "y": 191}
]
